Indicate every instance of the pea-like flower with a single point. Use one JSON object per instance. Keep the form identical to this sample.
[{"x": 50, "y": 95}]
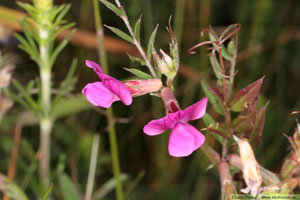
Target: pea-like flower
[
  {"x": 107, "y": 91},
  {"x": 184, "y": 138}
]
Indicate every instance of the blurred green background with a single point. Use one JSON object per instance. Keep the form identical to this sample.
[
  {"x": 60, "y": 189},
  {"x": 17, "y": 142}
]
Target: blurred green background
[{"x": 268, "y": 45}]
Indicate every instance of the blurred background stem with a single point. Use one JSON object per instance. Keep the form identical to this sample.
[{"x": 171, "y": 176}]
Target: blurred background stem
[
  {"x": 44, "y": 6},
  {"x": 109, "y": 115}
]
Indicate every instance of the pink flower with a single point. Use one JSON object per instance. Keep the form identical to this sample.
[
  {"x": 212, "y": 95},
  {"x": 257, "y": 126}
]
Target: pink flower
[
  {"x": 184, "y": 138},
  {"x": 107, "y": 91}
]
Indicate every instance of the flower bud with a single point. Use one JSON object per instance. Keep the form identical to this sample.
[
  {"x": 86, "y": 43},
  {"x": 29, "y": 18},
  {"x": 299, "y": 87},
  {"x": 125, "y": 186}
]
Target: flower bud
[{"x": 141, "y": 87}]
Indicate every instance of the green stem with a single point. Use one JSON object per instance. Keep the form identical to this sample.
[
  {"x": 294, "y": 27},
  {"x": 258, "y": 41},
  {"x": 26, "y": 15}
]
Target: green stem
[
  {"x": 46, "y": 123},
  {"x": 109, "y": 116}
]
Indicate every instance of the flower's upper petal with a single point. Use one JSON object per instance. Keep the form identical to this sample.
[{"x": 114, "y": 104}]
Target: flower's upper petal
[
  {"x": 115, "y": 86},
  {"x": 95, "y": 66},
  {"x": 118, "y": 88},
  {"x": 158, "y": 126},
  {"x": 99, "y": 95},
  {"x": 195, "y": 111},
  {"x": 184, "y": 139}
]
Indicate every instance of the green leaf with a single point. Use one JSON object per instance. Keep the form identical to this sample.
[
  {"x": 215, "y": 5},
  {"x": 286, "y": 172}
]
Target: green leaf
[
  {"x": 258, "y": 126},
  {"x": 60, "y": 47},
  {"x": 61, "y": 15},
  {"x": 118, "y": 11},
  {"x": 216, "y": 66},
  {"x": 120, "y": 33},
  {"x": 139, "y": 73},
  {"x": 57, "y": 32},
  {"x": 108, "y": 186},
  {"x": 230, "y": 47},
  {"x": 213, "y": 98},
  {"x": 246, "y": 96},
  {"x": 136, "y": 59},
  {"x": 225, "y": 53},
  {"x": 29, "y": 8},
  {"x": 210, "y": 122},
  {"x": 137, "y": 28},
  {"x": 67, "y": 188},
  {"x": 47, "y": 192},
  {"x": 151, "y": 42},
  {"x": 11, "y": 189}
]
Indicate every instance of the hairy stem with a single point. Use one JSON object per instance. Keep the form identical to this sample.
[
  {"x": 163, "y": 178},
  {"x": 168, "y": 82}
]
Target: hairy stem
[{"x": 109, "y": 115}]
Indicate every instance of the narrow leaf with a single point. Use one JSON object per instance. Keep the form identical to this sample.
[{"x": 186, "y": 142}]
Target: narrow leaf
[
  {"x": 216, "y": 66},
  {"x": 137, "y": 28},
  {"x": 258, "y": 127},
  {"x": 151, "y": 42},
  {"x": 230, "y": 47},
  {"x": 120, "y": 33},
  {"x": 67, "y": 188},
  {"x": 214, "y": 98},
  {"x": 136, "y": 59},
  {"x": 210, "y": 122},
  {"x": 246, "y": 96},
  {"x": 225, "y": 53},
  {"x": 47, "y": 192},
  {"x": 139, "y": 73},
  {"x": 112, "y": 7},
  {"x": 60, "y": 47}
]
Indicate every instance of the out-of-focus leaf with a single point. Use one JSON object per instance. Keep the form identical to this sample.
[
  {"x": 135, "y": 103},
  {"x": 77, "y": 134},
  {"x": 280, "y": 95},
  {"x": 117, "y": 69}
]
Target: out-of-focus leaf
[
  {"x": 112, "y": 7},
  {"x": 214, "y": 98},
  {"x": 151, "y": 42},
  {"x": 139, "y": 73},
  {"x": 137, "y": 28},
  {"x": 107, "y": 187},
  {"x": 67, "y": 188},
  {"x": 70, "y": 106},
  {"x": 9, "y": 188},
  {"x": 246, "y": 96},
  {"x": 120, "y": 33},
  {"x": 47, "y": 192},
  {"x": 258, "y": 127},
  {"x": 287, "y": 168},
  {"x": 268, "y": 177}
]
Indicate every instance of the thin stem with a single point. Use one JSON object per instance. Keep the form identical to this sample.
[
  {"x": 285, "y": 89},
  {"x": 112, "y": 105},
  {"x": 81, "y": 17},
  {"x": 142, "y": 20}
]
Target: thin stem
[
  {"x": 136, "y": 42},
  {"x": 45, "y": 75},
  {"x": 45, "y": 143},
  {"x": 92, "y": 170},
  {"x": 109, "y": 116}
]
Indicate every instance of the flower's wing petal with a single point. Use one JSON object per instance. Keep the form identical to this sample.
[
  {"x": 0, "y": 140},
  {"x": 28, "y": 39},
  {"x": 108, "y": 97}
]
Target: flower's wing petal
[
  {"x": 118, "y": 88},
  {"x": 158, "y": 126},
  {"x": 95, "y": 66},
  {"x": 184, "y": 139},
  {"x": 99, "y": 95},
  {"x": 195, "y": 111}
]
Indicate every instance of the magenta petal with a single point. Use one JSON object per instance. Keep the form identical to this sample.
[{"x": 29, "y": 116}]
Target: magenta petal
[
  {"x": 195, "y": 111},
  {"x": 158, "y": 126},
  {"x": 184, "y": 139},
  {"x": 98, "y": 95},
  {"x": 118, "y": 88},
  {"x": 95, "y": 66}
]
